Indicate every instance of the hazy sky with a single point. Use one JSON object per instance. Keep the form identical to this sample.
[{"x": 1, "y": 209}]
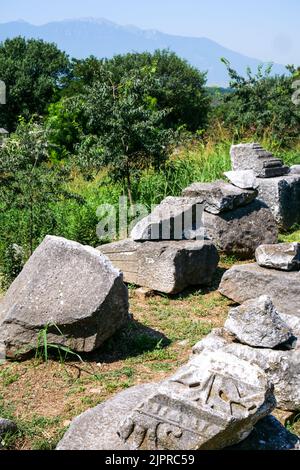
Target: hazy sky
[{"x": 265, "y": 29}]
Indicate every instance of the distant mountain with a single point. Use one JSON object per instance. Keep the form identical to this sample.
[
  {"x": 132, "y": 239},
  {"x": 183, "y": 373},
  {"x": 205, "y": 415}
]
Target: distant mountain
[{"x": 102, "y": 38}]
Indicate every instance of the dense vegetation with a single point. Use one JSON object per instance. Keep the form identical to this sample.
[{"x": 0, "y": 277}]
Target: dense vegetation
[{"x": 84, "y": 132}]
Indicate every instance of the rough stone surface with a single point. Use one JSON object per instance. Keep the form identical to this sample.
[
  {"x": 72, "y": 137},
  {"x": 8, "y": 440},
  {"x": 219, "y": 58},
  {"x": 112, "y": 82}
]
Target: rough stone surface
[
  {"x": 168, "y": 266},
  {"x": 212, "y": 402},
  {"x": 283, "y": 256},
  {"x": 97, "y": 428},
  {"x": 258, "y": 324},
  {"x": 254, "y": 157},
  {"x": 7, "y": 426},
  {"x": 64, "y": 286},
  {"x": 282, "y": 196},
  {"x": 241, "y": 231},
  {"x": 247, "y": 281},
  {"x": 269, "y": 434},
  {"x": 220, "y": 196},
  {"x": 207, "y": 404},
  {"x": 295, "y": 170},
  {"x": 173, "y": 219},
  {"x": 281, "y": 366},
  {"x": 244, "y": 179}
]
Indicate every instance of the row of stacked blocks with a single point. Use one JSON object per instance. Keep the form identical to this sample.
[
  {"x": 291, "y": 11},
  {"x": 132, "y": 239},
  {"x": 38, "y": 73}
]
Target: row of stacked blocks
[{"x": 177, "y": 245}]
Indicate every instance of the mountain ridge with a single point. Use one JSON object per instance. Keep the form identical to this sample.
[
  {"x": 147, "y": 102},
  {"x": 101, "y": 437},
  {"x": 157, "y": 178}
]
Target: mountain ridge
[{"x": 103, "y": 38}]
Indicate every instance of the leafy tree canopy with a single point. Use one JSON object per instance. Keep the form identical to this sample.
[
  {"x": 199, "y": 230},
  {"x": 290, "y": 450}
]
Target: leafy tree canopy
[
  {"x": 34, "y": 72},
  {"x": 261, "y": 104},
  {"x": 180, "y": 87}
]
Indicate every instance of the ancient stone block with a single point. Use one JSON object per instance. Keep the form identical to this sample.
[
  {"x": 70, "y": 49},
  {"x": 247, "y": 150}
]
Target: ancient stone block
[
  {"x": 165, "y": 266},
  {"x": 247, "y": 281},
  {"x": 70, "y": 290},
  {"x": 242, "y": 230},
  {"x": 282, "y": 256},
  {"x": 220, "y": 196},
  {"x": 282, "y": 196},
  {"x": 257, "y": 323},
  {"x": 254, "y": 157}
]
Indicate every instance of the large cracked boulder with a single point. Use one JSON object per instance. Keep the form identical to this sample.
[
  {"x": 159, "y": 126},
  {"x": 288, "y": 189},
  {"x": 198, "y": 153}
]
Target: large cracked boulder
[
  {"x": 220, "y": 196},
  {"x": 210, "y": 403},
  {"x": 71, "y": 291},
  {"x": 282, "y": 196},
  {"x": 257, "y": 323},
  {"x": 248, "y": 281},
  {"x": 165, "y": 266},
  {"x": 283, "y": 256},
  {"x": 173, "y": 219},
  {"x": 242, "y": 230}
]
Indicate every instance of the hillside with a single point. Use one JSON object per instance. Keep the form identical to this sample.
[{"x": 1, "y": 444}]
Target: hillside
[{"x": 102, "y": 38}]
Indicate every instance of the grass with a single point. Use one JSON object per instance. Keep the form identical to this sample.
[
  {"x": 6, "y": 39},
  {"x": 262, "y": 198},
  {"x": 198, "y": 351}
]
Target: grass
[
  {"x": 294, "y": 425},
  {"x": 292, "y": 236},
  {"x": 42, "y": 397}
]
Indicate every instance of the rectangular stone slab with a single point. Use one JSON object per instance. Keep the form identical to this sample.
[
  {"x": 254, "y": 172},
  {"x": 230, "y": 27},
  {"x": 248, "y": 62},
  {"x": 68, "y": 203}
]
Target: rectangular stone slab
[
  {"x": 248, "y": 281},
  {"x": 167, "y": 267},
  {"x": 282, "y": 196},
  {"x": 173, "y": 219},
  {"x": 220, "y": 196}
]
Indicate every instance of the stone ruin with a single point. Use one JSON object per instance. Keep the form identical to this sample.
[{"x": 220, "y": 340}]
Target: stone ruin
[
  {"x": 176, "y": 245},
  {"x": 276, "y": 271},
  {"x": 211, "y": 403},
  {"x": 222, "y": 398},
  {"x": 278, "y": 185},
  {"x": 72, "y": 291}
]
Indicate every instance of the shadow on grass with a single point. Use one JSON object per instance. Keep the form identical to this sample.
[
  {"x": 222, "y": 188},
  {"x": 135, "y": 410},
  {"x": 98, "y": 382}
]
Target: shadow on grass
[{"x": 135, "y": 339}]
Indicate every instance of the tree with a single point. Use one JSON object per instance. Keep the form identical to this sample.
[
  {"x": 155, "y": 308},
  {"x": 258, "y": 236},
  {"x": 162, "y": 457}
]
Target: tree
[
  {"x": 179, "y": 86},
  {"x": 34, "y": 71},
  {"x": 125, "y": 130},
  {"x": 29, "y": 183},
  {"x": 259, "y": 105},
  {"x": 65, "y": 123}
]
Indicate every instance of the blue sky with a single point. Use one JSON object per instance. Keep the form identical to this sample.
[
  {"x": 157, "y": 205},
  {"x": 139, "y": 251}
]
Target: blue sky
[{"x": 265, "y": 29}]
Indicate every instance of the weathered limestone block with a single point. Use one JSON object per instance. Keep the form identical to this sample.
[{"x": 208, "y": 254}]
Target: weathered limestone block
[
  {"x": 281, "y": 365},
  {"x": 212, "y": 402},
  {"x": 282, "y": 196},
  {"x": 295, "y": 170},
  {"x": 257, "y": 323},
  {"x": 168, "y": 266},
  {"x": 175, "y": 218},
  {"x": 67, "y": 288},
  {"x": 244, "y": 179},
  {"x": 242, "y": 230},
  {"x": 254, "y": 157},
  {"x": 247, "y": 281},
  {"x": 283, "y": 256},
  {"x": 208, "y": 404},
  {"x": 97, "y": 428},
  {"x": 220, "y": 196}
]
